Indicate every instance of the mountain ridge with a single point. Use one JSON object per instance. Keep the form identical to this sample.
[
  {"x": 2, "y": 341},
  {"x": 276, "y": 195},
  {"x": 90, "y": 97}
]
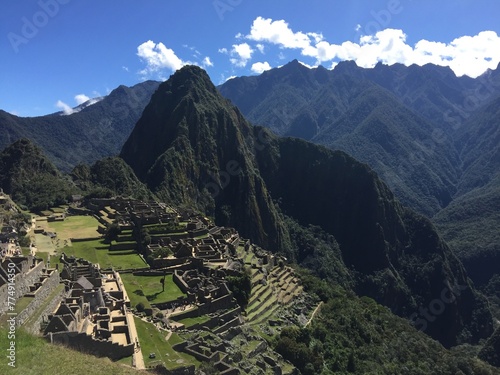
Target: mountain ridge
[{"x": 261, "y": 177}]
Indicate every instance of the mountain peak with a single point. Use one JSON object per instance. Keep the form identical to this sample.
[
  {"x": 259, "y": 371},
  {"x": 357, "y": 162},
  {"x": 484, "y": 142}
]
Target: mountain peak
[{"x": 191, "y": 77}]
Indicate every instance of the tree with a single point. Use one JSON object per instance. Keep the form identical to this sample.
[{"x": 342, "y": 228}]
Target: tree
[
  {"x": 241, "y": 286},
  {"x": 140, "y": 307},
  {"x": 112, "y": 232}
]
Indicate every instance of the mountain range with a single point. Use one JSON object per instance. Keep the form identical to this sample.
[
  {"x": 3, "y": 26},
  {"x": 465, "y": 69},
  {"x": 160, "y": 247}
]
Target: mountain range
[
  {"x": 407, "y": 123},
  {"x": 431, "y": 136},
  {"x": 94, "y": 132},
  {"x": 314, "y": 203},
  {"x": 201, "y": 152}
]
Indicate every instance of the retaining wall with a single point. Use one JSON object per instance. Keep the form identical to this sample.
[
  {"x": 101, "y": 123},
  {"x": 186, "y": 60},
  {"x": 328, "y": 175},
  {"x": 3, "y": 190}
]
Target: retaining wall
[{"x": 40, "y": 295}]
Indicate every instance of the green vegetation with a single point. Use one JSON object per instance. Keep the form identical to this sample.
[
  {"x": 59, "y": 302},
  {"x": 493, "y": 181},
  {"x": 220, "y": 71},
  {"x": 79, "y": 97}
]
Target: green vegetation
[
  {"x": 84, "y": 137},
  {"x": 36, "y": 356},
  {"x": 75, "y": 227},
  {"x": 44, "y": 305},
  {"x": 154, "y": 341},
  {"x": 96, "y": 251},
  {"x": 108, "y": 177},
  {"x": 30, "y": 178},
  {"x": 356, "y": 335},
  {"x": 148, "y": 289},
  {"x": 241, "y": 286}
]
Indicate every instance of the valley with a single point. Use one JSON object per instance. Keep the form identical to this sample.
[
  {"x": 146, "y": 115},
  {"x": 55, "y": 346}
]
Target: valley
[{"x": 238, "y": 250}]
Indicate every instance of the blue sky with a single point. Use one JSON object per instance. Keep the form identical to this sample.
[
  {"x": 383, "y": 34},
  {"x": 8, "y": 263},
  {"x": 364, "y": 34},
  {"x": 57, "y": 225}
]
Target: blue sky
[{"x": 61, "y": 52}]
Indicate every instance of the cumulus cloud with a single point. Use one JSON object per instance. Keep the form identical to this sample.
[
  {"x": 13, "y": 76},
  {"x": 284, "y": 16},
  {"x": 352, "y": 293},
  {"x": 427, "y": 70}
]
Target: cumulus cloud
[
  {"x": 66, "y": 109},
  {"x": 260, "y": 67},
  {"x": 241, "y": 53},
  {"x": 277, "y": 32},
  {"x": 81, "y": 98},
  {"x": 158, "y": 57},
  {"x": 465, "y": 55}
]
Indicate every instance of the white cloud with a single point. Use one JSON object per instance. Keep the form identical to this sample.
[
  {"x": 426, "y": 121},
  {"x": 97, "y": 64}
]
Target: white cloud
[
  {"x": 466, "y": 55},
  {"x": 277, "y": 32},
  {"x": 81, "y": 98},
  {"x": 207, "y": 62},
  {"x": 241, "y": 53},
  {"x": 158, "y": 57},
  {"x": 67, "y": 110},
  {"x": 125, "y": 68},
  {"x": 260, "y": 67},
  {"x": 223, "y": 50}
]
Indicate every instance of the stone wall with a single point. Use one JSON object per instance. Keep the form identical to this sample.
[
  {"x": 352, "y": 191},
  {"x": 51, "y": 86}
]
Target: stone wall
[
  {"x": 36, "y": 326},
  {"x": 22, "y": 284},
  {"x": 86, "y": 344},
  {"x": 123, "y": 246},
  {"x": 48, "y": 285}
]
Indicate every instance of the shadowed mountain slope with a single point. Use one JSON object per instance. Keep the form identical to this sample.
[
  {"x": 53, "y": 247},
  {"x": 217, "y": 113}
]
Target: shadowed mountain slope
[{"x": 192, "y": 147}]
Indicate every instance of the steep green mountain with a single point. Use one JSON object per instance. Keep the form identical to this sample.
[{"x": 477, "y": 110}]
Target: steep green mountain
[
  {"x": 470, "y": 225},
  {"x": 357, "y": 336},
  {"x": 192, "y": 147},
  {"x": 110, "y": 177},
  {"x": 30, "y": 178},
  {"x": 189, "y": 145},
  {"x": 393, "y": 140},
  {"x": 95, "y": 132},
  {"x": 478, "y": 141},
  {"x": 403, "y": 121}
]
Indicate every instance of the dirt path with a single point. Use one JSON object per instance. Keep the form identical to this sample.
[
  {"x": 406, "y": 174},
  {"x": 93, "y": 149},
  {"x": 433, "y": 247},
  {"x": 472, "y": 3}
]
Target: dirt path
[
  {"x": 138, "y": 359},
  {"x": 314, "y": 313}
]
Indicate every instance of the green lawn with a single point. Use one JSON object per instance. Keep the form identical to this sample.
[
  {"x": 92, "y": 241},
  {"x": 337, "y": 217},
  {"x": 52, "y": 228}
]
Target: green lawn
[
  {"x": 96, "y": 251},
  {"x": 154, "y": 341},
  {"x": 140, "y": 288},
  {"x": 44, "y": 244},
  {"x": 75, "y": 227}
]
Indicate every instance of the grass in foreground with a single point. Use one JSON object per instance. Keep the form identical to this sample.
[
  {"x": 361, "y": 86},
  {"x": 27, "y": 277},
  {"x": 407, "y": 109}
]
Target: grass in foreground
[{"x": 35, "y": 356}]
